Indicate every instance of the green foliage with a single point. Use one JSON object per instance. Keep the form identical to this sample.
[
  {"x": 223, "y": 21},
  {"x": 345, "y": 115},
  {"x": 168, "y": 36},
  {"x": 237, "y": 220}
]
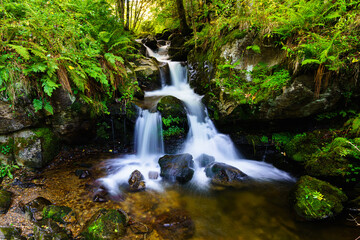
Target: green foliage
[
  {"x": 255, "y": 48},
  {"x": 79, "y": 45},
  {"x": 316, "y": 199},
  {"x": 173, "y": 131},
  {"x": 266, "y": 83},
  {"x": 102, "y": 130},
  {"x": 6, "y": 170},
  {"x": 171, "y": 128}
]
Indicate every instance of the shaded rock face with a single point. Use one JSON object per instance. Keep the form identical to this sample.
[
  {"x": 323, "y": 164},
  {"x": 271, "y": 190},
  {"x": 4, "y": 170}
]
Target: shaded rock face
[
  {"x": 5, "y": 201},
  {"x": 136, "y": 181},
  {"x": 177, "y": 167},
  {"x": 148, "y": 74},
  {"x": 12, "y": 120},
  {"x": 151, "y": 42},
  {"x": 175, "y": 123},
  {"x": 106, "y": 224},
  {"x": 35, "y": 148},
  {"x": 176, "y": 225},
  {"x": 11, "y": 233},
  {"x": 177, "y": 50},
  {"x": 204, "y": 160},
  {"x": 225, "y": 175},
  {"x": 314, "y": 199}
]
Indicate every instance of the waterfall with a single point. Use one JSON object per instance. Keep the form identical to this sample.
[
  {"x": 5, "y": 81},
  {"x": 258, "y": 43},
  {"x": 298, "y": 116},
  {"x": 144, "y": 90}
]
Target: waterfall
[
  {"x": 202, "y": 138},
  {"x": 148, "y": 134}
]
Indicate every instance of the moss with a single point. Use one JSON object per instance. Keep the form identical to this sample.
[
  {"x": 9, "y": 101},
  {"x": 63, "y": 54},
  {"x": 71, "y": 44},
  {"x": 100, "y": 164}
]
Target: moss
[
  {"x": 334, "y": 159},
  {"x": 302, "y": 146},
  {"x": 57, "y": 213},
  {"x": 50, "y": 143},
  {"x": 106, "y": 224},
  {"x": 315, "y": 199}
]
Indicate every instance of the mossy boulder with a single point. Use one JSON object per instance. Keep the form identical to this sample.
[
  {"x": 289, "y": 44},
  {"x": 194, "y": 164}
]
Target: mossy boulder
[
  {"x": 315, "y": 199},
  {"x": 10, "y": 233},
  {"x": 35, "y": 148},
  {"x": 174, "y": 122},
  {"x": 148, "y": 74},
  {"x": 5, "y": 201},
  {"x": 177, "y": 167},
  {"x": 303, "y": 146},
  {"x": 334, "y": 160},
  {"x": 106, "y": 224},
  {"x": 225, "y": 175},
  {"x": 60, "y": 214}
]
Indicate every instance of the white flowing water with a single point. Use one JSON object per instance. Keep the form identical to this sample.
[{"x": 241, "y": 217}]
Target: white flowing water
[{"x": 203, "y": 138}]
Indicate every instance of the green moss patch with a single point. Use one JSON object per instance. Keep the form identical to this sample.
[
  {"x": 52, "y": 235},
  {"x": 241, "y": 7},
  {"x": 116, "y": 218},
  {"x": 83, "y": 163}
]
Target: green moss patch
[
  {"x": 57, "y": 213},
  {"x": 315, "y": 199}
]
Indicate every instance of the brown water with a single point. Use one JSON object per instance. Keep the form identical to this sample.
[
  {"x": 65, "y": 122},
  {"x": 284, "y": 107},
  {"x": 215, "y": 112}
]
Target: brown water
[{"x": 259, "y": 211}]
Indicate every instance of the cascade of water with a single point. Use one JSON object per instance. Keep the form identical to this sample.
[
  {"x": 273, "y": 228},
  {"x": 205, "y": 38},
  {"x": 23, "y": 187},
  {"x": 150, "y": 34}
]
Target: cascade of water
[
  {"x": 202, "y": 138},
  {"x": 148, "y": 136}
]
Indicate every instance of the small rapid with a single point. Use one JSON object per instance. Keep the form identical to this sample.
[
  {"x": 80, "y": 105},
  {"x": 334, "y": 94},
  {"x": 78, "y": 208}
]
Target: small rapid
[{"x": 202, "y": 138}]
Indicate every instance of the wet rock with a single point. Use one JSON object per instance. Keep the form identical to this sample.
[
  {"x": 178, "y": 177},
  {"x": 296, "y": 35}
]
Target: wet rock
[
  {"x": 101, "y": 195},
  {"x": 225, "y": 175},
  {"x": 175, "y": 123},
  {"x": 136, "y": 181},
  {"x": 148, "y": 74},
  {"x": 48, "y": 229},
  {"x": 139, "y": 228},
  {"x": 35, "y": 148},
  {"x": 153, "y": 175},
  {"x": 12, "y": 120},
  {"x": 203, "y": 160},
  {"x": 72, "y": 122},
  {"x": 314, "y": 199},
  {"x": 10, "y": 233},
  {"x": 176, "y": 225},
  {"x": 60, "y": 214},
  {"x": 177, "y": 50},
  {"x": 35, "y": 207},
  {"x": 82, "y": 174},
  {"x": 151, "y": 42},
  {"x": 177, "y": 167},
  {"x": 106, "y": 224},
  {"x": 5, "y": 201}
]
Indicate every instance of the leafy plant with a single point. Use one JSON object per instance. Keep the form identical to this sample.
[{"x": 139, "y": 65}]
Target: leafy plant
[{"x": 7, "y": 170}]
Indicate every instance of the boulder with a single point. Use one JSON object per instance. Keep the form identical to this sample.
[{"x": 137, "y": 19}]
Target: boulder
[
  {"x": 151, "y": 42},
  {"x": 48, "y": 229},
  {"x": 177, "y": 49},
  {"x": 35, "y": 148},
  {"x": 148, "y": 74},
  {"x": 203, "y": 160},
  {"x": 175, "y": 224},
  {"x": 15, "y": 119},
  {"x": 82, "y": 174},
  {"x": 225, "y": 175},
  {"x": 136, "y": 181},
  {"x": 60, "y": 214},
  {"x": 35, "y": 207},
  {"x": 175, "y": 123},
  {"x": 5, "y": 201},
  {"x": 177, "y": 167},
  {"x": 314, "y": 199},
  {"x": 11, "y": 233},
  {"x": 153, "y": 175},
  {"x": 106, "y": 224}
]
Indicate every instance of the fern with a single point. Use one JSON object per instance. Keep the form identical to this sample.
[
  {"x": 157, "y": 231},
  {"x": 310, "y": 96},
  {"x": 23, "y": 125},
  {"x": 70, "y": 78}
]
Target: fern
[{"x": 22, "y": 51}]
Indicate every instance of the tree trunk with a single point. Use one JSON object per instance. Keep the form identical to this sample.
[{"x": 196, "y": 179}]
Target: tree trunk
[
  {"x": 127, "y": 27},
  {"x": 184, "y": 28}
]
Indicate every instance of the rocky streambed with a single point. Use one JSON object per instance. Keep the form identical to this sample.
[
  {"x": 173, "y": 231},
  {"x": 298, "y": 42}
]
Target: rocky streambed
[{"x": 65, "y": 202}]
